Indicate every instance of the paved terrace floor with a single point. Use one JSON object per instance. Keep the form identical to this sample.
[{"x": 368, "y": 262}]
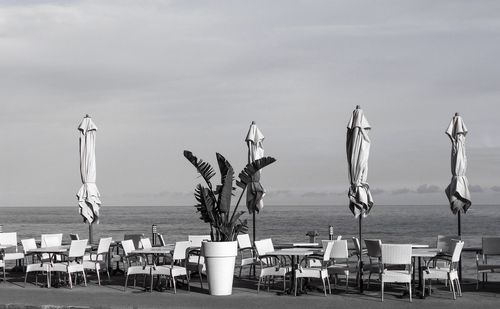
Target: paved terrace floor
[{"x": 111, "y": 295}]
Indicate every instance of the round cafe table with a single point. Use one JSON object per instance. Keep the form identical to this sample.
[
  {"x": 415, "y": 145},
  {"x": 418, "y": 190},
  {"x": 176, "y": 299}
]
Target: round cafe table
[{"x": 294, "y": 254}]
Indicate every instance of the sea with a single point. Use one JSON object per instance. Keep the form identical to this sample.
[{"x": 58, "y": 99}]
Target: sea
[{"x": 416, "y": 224}]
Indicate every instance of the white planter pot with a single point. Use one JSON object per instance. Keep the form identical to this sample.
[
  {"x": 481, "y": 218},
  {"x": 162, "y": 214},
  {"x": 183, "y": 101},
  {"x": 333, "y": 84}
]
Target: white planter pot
[{"x": 220, "y": 258}]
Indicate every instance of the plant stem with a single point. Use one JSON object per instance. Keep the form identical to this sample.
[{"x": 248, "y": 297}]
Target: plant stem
[{"x": 238, "y": 203}]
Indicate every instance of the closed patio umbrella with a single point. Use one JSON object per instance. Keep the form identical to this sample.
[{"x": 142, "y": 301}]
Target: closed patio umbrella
[
  {"x": 255, "y": 191},
  {"x": 458, "y": 190},
  {"x": 88, "y": 195},
  {"x": 358, "y": 151}
]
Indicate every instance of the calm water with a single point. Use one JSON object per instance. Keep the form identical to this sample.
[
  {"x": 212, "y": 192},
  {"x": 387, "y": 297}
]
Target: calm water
[
  {"x": 417, "y": 224},
  {"x": 392, "y": 224}
]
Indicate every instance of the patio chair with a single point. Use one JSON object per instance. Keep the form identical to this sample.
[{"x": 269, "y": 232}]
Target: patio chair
[
  {"x": 195, "y": 262},
  {"x": 446, "y": 273},
  {"x": 320, "y": 272},
  {"x": 396, "y": 255},
  {"x": 246, "y": 252},
  {"x": 73, "y": 262},
  {"x": 39, "y": 267},
  {"x": 134, "y": 263},
  {"x": 374, "y": 253},
  {"x": 98, "y": 260},
  {"x": 490, "y": 247},
  {"x": 270, "y": 266},
  {"x": 12, "y": 253},
  {"x": 341, "y": 265},
  {"x": 177, "y": 267}
]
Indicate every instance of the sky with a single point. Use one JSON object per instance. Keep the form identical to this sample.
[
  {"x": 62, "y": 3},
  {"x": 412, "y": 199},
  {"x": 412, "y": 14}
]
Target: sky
[{"x": 159, "y": 77}]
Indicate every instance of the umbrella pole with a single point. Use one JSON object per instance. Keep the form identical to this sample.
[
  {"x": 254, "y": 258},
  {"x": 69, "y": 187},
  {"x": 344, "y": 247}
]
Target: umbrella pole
[
  {"x": 90, "y": 234},
  {"x": 460, "y": 238},
  {"x": 360, "y": 257}
]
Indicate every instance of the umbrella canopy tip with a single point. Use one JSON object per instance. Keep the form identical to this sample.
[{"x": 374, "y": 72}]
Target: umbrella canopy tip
[
  {"x": 253, "y": 122},
  {"x": 358, "y": 107},
  {"x": 87, "y": 116},
  {"x": 457, "y": 114}
]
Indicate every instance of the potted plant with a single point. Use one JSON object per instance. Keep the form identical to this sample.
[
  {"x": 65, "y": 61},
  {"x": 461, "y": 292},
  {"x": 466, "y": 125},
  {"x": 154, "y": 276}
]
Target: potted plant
[{"x": 214, "y": 205}]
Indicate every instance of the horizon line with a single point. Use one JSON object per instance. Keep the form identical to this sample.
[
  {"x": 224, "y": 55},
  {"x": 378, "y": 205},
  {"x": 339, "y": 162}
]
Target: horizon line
[{"x": 276, "y": 205}]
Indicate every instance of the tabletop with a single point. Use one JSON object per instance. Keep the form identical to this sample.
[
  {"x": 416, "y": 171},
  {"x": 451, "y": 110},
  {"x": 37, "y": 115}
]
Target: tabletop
[
  {"x": 155, "y": 250},
  {"x": 56, "y": 249},
  {"x": 288, "y": 252},
  {"x": 425, "y": 252}
]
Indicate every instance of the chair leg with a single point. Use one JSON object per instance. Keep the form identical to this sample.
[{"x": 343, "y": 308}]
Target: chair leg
[
  {"x": 98, "y": 276},
  {"x": 329, "y": 286},
  {"x": 453, "y": 289},
  {"x": 125, "y": 287},
  {"x": 477, "y": 282},
  {"x": 84, "y": 278},
  {"x": 423, "y": 286},
  {"x": 382, "y": 290},
  {"x": 459, "y": 288},
  {"x": 324, "y": 286}
]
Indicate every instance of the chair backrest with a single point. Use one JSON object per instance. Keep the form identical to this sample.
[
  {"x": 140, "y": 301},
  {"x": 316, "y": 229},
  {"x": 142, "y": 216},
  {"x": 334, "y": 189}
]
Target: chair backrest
[
  {"x": 373, "y": 248},
  {"x": 327, "y": 250},
  {"x": 180, "y": 250},
  {"x": 74, "y": 237},
  {"x": 458, "y": 245},
  {"x": 339, "y": 250},
  {"x": 444, "y": 243},
  {"x": 162, "y": 240},
  {"x": 104, "y": 244},
  {"x": 128, "y": 246},
  {"x": 196, "y": 240},
  {"x": 136, "y": 239},
  {"x": 8, "y": 239},
  {"x": 146, "y": 243},
  {"x": 244, "y": 241},
  {"x": 260, "y": 247},
  {"x": 491, "y": 245},
  {"x": 357, "y": 246},
  {"x": 28, "y": 244},
  {"x": 51, "y": 240},
  {"x": 396, "y": 254},
  {"x": 77, "y": 248}
]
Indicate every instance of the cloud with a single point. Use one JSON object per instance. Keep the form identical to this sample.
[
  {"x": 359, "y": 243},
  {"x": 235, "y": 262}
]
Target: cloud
[
  {"x": 476, "y": 188},
  {"x": 315, "y": 194},
  {"x": 425, "y": 188},
  {"x": 377, "y": 191},
  {"x": 495, "y": 188},
  {"x": 400, "y": 191}
]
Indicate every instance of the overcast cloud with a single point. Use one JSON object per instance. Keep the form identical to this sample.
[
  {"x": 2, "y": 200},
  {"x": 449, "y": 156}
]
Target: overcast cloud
[{"x": 159, "y": 77}]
